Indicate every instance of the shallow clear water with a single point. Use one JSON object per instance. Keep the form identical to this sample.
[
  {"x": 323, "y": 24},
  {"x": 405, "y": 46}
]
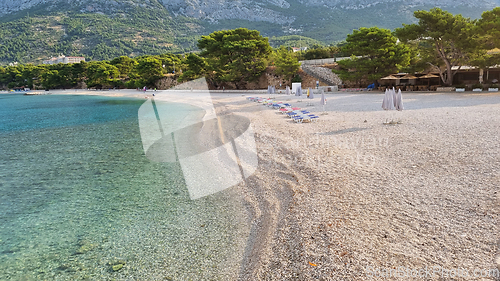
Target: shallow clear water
[{"x": 78, "y": 196}]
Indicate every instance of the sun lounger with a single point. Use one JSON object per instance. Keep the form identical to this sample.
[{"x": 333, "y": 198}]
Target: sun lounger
[
  {"x": 300, "y": 118},
  {"x": 313, "y": 118},
  {"x": 294, "y": 113}
]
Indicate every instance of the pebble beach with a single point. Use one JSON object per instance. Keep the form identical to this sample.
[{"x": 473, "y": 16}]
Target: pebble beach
[{"x": 352, "y": 196}]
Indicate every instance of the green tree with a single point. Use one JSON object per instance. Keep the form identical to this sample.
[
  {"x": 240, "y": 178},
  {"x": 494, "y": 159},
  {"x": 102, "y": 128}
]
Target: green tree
[
  {"x": 238, "y": 55},
  {"x": 80, "y": 72},
  {"x": 49, "y": 79},
  {"x": 196, "y": 67},
  {"x": 3, "y": 77},
  {"x": 374, "y": 52},
  {"x": 445, "y": 40},
  {"x": 66, "y": 77},
  {"x": 124, "y": 64},
  {"x": 31, "y": 74},
  {"x": 101, "y": 74},
  {"x": 35, "y": 75},
  {"x": 171, "y": 62},
  {"x": 286, "y": 62},
  {"x": 149, "y": 70},
  {"x": 489, "y": 27},
  {"x": 488, "y": 30},
  {"x": 319, "y": 52}
]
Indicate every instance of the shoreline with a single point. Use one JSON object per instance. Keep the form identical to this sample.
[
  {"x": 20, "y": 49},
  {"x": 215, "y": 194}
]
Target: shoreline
[
  {"x": 331, "y": 198},
  {"x": 260, "y": 92}
]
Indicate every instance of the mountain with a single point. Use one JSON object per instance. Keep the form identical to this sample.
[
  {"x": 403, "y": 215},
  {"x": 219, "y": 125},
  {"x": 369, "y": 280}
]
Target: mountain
[{"x": 33, "y": 30}]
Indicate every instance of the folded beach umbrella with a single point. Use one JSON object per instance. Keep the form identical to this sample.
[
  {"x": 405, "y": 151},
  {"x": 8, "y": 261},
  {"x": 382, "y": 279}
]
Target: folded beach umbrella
[
  {"x": 394, "y": 96},
  {"x": 299, "y": 91},
  {"x": 388, "y": 101},
  {"x": 323, "y": 100},
  {"x": 384, "y": 100},
  {"x": 287, "y": 90},
  {"x": 311, "y": 94},
  {"x": 399, "y": 101}
]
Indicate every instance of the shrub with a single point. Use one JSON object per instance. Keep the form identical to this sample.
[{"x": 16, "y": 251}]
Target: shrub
[{"x": 297, "y": 79}]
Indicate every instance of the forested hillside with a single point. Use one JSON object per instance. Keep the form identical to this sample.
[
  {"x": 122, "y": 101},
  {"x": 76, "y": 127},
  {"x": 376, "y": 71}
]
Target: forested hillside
[
  {"x": 35, "y": 30},
  {"x": 95, "y": 36}
]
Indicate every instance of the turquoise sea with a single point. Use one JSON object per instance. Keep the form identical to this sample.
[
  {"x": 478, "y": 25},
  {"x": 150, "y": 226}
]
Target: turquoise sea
[{"x": 80, "y": 201}]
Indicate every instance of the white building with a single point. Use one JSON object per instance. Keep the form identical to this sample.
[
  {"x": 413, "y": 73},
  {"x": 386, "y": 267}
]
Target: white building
[
  {"x": 64, "y": 59},
  {"x": 295, "y": 49}
]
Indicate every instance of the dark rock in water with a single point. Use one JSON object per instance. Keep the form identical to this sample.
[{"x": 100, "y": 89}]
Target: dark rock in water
[
  {"x": 117, "y": 261},
  {"x": 67, "y": 268},
  {"x": 85, "y": 246},
  {"x": 63, "y": 267},
  {"x": 117, "y": 264}
]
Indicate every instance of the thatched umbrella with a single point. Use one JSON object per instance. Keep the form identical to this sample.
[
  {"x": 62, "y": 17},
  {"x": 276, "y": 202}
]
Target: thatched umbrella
[
  {"x": 390, "y": 77},
  {"x": 409, "y": 76},
  {"x": 428, "y": 76}
]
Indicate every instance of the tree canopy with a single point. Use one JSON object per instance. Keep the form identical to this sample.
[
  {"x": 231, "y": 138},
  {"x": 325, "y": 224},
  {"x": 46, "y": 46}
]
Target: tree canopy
[
  {"x": 444, "y": 40},
  {"x": 316, "y": 51},
  {"x": 286, "y": 62},
  {"x": 149, "y": 70},
  {"x": 374, "y": 52},
  {"x": 488, "y": 29},
  {"x": 101, "y": 74},
  {"x": 196, "y": 67},
  {"x": 237, "y": 56}
]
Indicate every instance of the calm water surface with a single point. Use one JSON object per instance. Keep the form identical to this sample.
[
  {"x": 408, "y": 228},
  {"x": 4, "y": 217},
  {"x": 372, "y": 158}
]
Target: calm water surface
[{"x": 80, "y": 201}]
